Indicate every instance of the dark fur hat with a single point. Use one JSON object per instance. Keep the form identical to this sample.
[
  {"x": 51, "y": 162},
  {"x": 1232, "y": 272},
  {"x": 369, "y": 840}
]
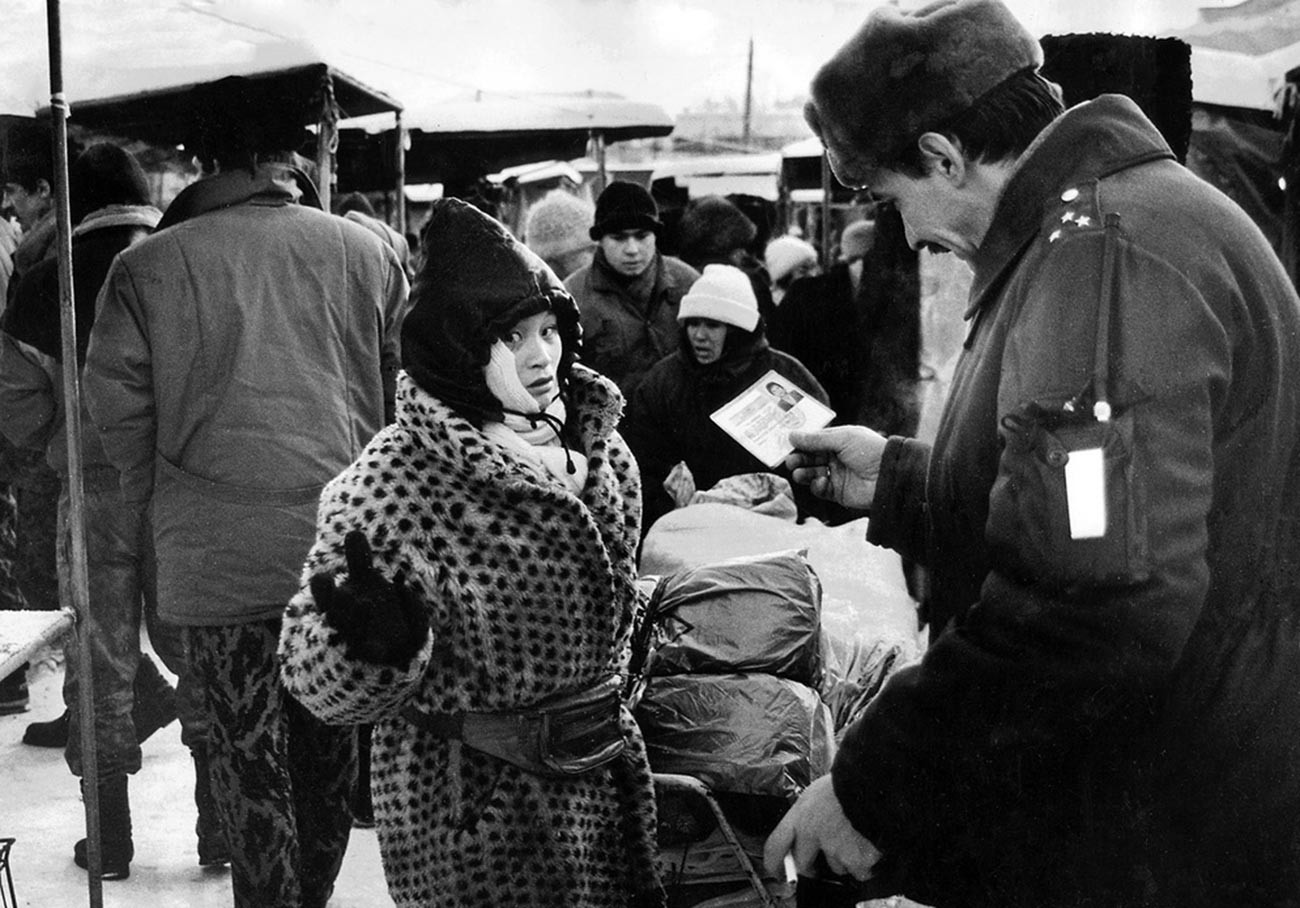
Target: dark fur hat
[
  {"x": 710, "y": 229},
  {"x": 236, "y": 118},
  {"x": 103, "y": 175},
  {"x": 26, "y": 150},
  {"x": 905, "y": 73},
  {"x": 476, "y": 281}
]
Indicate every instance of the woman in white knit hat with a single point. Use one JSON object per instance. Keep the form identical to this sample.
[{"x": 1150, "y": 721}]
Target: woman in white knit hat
[
  {"x": 723, "y": 352},
  {"x": 789, "y": 258}
]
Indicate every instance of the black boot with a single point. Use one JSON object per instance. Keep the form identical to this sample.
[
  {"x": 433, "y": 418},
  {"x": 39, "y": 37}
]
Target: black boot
[
  {"x": 155, "y": 700},
  {"x": 116, "y": 850},
  {"x": 213, "y": 846},
  {"x": 53, "y": 733},
  {"x": 154, "y": 708}
]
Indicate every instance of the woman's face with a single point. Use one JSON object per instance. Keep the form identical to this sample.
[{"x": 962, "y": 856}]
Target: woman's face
[
  {"x": 707, "y": 338},
  {"x": 535, "y": 341}
]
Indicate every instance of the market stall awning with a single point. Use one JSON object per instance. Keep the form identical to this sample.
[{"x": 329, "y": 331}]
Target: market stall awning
[
  {"x": 461, "y": 140},
  {"x": 160, "y": 114},
  {"x": 743, "y": 174}
]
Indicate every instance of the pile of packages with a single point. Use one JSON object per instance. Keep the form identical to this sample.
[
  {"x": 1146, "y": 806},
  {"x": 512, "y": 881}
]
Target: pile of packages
[
  {"x": 740, "y": 687},
  {"x": 732, "y": 674}
]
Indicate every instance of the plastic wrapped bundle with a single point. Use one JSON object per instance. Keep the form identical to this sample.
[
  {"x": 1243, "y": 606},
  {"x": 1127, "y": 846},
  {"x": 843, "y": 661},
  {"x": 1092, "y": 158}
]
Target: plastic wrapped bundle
[
  {"x": 745, "y": 734},
  {"x": 856, "y": 667},
  {"x": 746, "y": 615}
]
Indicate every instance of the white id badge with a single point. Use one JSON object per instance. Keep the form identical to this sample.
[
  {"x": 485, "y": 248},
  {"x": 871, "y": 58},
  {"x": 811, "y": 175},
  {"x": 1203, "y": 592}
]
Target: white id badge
[{"x": 1085, "y": 493}]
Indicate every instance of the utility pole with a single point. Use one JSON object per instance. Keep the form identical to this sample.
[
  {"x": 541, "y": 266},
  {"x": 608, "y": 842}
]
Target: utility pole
[{"x": 749, "y": 94}]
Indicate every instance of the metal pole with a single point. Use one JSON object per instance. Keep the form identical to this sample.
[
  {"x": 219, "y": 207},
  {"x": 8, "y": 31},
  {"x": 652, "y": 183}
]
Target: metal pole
[
  {"x": 327, "y": 139},
  {"x": 826, "y": 210},
  {"x": 745, "y": 128},
  {"x": 400, "y": 164},
  {"x": 598, "y": 145},
  {"x": 76, "y": 491},
  {"x": 324, "y": 162}
]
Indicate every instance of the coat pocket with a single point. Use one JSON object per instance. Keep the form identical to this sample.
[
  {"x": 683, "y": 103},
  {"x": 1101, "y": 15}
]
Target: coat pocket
[{"x": 1067, "y": 507}]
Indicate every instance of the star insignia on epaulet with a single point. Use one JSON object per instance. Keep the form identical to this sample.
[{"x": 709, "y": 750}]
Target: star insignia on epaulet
[{"x": 1071, "y": 217}]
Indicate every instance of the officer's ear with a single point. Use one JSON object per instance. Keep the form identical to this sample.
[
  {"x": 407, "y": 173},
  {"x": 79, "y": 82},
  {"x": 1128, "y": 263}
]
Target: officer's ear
[{"x": 942, "y": 155}]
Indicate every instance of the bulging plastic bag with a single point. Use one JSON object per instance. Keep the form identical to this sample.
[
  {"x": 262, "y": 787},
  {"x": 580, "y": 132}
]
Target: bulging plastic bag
[
  {"x": 746, "y": 615},
  {"x": 746, "y": 734}
]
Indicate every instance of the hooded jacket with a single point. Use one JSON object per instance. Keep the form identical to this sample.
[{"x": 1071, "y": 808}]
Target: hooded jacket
[
  {"x": 233, "y": 369},
  {"x": 529, "y": 589},
  {"x": 668, "y": 416},
  {"x": 1107, "y": 719}
]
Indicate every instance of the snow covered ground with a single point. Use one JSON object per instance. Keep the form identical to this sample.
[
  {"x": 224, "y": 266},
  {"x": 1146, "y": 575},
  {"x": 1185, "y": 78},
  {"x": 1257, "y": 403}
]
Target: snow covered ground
[{"x": 40, "y": 807}]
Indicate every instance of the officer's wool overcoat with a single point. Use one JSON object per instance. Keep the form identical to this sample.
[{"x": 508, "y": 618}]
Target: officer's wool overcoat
[{"x": 1107, "y": 719}]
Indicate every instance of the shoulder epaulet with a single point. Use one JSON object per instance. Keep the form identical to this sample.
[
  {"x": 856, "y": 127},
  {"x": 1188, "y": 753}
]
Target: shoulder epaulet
[{"x": 1075, "y": 210}]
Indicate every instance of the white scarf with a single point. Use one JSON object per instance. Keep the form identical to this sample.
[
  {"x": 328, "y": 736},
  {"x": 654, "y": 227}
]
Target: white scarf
[{"x": 536, "y": 439}]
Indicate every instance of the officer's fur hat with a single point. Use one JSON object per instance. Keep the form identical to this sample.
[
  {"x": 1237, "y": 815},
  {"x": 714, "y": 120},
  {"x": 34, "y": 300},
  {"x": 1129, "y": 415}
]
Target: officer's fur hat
[{"x": 905, "y": 73}]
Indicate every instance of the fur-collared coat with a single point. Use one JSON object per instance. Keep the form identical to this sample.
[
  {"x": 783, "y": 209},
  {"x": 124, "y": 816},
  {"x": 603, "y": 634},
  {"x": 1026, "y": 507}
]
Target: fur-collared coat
[{"x": 530, "y": 592}]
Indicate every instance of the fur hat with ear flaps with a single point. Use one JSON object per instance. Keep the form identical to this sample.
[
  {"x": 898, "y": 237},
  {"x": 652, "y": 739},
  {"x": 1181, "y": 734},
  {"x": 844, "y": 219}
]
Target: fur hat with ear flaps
[
  {"x": 905, "y": 73},
  {"x": 476, "y": 282}
]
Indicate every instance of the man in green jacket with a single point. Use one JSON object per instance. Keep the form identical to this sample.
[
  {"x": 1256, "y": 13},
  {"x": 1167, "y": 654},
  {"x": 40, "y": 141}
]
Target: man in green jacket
[
  {"x": 1109, "y": 709},
  {"x": 630, "y": 293},
  {"x": 235, "y": 366}
]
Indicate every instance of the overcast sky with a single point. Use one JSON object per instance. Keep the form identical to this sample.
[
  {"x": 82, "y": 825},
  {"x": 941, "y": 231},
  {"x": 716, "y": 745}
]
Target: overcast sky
[{"x": 676, "y": 53}]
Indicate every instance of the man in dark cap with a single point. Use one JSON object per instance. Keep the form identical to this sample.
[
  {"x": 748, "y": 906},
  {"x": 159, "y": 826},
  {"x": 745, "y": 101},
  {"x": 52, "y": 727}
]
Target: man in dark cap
[
  {"x": 235, "y": 366},
  {"x": 109, "y": 208},
  {"x": 29, "y": 488},
  {"x": 28, "y": 174},
  {"x": 1109, "y": 709},
  {"x": 630, "y": 292}
]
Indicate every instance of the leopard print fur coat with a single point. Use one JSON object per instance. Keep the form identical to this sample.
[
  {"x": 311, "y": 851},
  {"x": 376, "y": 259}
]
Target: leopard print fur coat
[{"x": 530, "y": 592}]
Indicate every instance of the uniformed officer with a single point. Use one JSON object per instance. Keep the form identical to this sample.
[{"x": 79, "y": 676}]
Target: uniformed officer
[{"x": 1109, "y": 709}]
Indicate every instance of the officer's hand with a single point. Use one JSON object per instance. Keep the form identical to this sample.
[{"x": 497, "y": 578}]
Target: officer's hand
[
  {"x": 841, "y": 463},
  {"x": 379, "y": 621},
  {"x": 815, "y": 825}
]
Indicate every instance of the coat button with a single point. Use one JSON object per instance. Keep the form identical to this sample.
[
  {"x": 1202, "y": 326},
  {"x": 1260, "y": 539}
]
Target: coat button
[{"x": 1070, "y": 195}]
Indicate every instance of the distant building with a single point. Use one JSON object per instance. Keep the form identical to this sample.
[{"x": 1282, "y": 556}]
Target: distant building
[{"x": 718, "y": 127}]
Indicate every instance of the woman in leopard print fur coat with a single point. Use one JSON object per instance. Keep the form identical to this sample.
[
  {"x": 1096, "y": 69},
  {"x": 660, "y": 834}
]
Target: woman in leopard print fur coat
[{"x": 503, "y": 574}]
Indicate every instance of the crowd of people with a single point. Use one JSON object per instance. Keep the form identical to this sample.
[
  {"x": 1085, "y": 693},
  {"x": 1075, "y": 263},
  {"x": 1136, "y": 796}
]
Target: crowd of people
[{"x": 378, "y": 505}]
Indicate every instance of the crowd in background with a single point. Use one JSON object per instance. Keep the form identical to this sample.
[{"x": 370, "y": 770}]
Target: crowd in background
[{"x": 185, "y": 418}]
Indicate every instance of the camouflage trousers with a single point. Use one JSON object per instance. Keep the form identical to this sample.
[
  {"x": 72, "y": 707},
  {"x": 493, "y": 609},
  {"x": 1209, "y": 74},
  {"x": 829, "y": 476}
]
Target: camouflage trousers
[
  {"x": 38, "y": 505},
  {"x": 121, "y": 575},
  {"x": 29, "y": 496},
  {"x": 282, "y": 778},
  {"x": 11, "y": 595}
]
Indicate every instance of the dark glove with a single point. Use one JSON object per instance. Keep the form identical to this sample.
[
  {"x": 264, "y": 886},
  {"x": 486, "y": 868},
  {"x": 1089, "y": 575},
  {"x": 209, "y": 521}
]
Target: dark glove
[{"x": 379, "y": 621}]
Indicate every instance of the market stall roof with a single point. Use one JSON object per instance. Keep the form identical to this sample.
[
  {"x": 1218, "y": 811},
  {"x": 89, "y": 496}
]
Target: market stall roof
[
  {"x": 466, "y": 138},
  {"x": 745, "y": 174},
  {"x": 160, "y": 112}
]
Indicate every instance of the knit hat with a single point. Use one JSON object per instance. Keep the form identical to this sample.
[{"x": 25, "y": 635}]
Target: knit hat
[
  {"x": 711, "y": 228},
  {"x": 907, "y": 72},
  {"x": 625, "y": 206},
  {"x": 475, "y": 281},
  {"x": 558, "y": 223},
  {"x": 786, "y": 253},
  {"x": 724, "y": 294},
  {"x": 857, "y": 240}
]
